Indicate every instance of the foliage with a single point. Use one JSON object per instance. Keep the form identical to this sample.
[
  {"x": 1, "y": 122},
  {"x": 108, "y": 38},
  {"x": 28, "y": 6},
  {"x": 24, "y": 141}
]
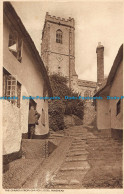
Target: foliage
[{"x": 59, "y": 108}]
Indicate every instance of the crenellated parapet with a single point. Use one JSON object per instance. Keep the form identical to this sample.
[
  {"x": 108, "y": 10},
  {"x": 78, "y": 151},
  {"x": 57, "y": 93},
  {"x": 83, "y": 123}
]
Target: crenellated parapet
[{"x": 61, "y": 21}]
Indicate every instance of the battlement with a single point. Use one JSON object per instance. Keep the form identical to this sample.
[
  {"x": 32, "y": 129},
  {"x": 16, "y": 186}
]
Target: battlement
[{"x": 70, "y": 22}]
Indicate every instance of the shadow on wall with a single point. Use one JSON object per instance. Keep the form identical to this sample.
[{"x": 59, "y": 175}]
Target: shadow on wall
[{"x": 9, "y": 158}]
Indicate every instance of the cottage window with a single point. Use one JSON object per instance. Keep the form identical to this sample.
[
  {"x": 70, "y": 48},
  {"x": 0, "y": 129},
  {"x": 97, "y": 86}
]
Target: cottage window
[
  {"x": 59, "y": 36},
  {"x": 11, "y": 88},
  {"x": 118, "y": 108},
  {"x": 15, "y": 45}
]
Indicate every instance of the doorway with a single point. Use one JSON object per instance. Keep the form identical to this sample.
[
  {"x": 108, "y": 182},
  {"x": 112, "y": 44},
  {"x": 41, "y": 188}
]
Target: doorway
[{"x": 34, "y": 104}]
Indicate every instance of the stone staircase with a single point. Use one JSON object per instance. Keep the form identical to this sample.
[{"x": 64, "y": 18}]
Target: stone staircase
[
  {"x": 87, "y": 150},
  {"x": 75, "y": 165}
]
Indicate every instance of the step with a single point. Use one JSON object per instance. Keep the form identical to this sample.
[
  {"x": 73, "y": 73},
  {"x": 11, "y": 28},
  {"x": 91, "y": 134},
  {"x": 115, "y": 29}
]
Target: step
[
  {"x": 80, "y": 165},
  {"x": 80, "y": 138},
  {"x": 76, "y": 158},
  {"x": 78, "y": 146},
  {"x": 78, "y": 143},
  {"x": 74, "y": 182},
  {"x": 65, "y": 182},
  {"x": 57, "y": 135},
  {"x": 91, "y": 136},
  {"x": 77, "y": 153},
  {"x": 82, "y": 168},
  {"x": 59, "y": 182},
  {"x": 77, "y": 149},
  {"x": 77, "y": 133}
]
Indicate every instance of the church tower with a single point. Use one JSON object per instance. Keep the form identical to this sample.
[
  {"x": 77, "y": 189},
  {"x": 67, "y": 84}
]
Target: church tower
[{"x": 58, "y": 46}]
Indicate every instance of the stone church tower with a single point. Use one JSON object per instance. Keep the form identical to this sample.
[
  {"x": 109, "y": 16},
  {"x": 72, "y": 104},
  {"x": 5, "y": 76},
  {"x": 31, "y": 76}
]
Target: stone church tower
[{"x": 58, "y": 47}]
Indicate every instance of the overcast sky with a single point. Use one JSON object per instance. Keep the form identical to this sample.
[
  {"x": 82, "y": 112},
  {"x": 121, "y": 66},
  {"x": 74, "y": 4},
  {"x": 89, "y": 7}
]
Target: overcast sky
[{"x": 94, "y": 22}]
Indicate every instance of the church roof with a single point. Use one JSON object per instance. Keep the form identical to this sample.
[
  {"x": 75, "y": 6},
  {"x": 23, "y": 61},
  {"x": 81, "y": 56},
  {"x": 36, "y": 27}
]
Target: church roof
[{"x": 87, "y": 83}]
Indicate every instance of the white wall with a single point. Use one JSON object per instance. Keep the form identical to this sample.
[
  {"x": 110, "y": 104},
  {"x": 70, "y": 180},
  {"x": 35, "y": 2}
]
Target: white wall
[
  {"x": 103, "y": 114},
  {"x": 117, "y": 90}
]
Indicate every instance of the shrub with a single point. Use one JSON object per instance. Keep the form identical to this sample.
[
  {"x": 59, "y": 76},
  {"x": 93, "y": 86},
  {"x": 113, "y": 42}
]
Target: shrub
[{"x": 59, "y": 108}]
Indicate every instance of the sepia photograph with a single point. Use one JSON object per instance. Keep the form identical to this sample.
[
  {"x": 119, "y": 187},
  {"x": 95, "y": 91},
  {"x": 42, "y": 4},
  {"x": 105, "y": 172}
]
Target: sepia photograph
[{"x": 62, "y": 95}]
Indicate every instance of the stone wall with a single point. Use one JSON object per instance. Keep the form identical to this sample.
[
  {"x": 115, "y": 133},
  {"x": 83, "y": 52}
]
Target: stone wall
[
  {"x": 89, "y": 113},
  {"x": 11, "y": 128}
]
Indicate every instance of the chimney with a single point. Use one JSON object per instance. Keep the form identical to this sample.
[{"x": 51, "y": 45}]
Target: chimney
[{"x": 100, "y": 64}]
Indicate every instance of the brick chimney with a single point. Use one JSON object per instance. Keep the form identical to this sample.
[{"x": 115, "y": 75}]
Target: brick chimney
[{"x": 100, "y": 64}]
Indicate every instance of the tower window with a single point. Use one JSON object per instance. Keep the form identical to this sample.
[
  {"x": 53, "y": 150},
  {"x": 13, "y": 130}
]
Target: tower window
[{"x": 59, "y": 36}]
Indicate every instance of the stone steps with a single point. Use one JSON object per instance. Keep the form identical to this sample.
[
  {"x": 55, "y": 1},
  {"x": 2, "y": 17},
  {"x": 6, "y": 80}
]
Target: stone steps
[{"x": 65, "y": 182}]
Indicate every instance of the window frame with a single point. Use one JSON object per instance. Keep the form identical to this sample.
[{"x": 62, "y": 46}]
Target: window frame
[
  {"x": 59, "y": 36},
  {"x": 10, "y": 89},
  {"x": 15, "y": 39}
]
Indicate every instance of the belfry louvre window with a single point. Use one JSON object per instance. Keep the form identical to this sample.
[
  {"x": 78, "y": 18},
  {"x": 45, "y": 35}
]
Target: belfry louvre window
[
  {"x": 118, "y": 108},
  {"x": 15, "y": 45},
  {"x": 59, "y": 36},
  {"x": 11, "y": 88}
]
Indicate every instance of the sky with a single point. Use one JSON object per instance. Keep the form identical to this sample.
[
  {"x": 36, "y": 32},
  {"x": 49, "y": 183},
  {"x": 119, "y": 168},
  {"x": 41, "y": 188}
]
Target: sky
[{"x": 95, "y": 21}]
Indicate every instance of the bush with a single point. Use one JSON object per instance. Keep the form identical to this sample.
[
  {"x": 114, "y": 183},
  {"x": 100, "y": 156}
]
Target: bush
[
  {"x": 56, "y": 114},
  {"x": 59, "y": 108}
]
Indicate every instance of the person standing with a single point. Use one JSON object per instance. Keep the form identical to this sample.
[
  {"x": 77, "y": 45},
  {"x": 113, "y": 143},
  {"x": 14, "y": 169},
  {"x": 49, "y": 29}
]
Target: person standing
[{"x": 32, "y": 121}]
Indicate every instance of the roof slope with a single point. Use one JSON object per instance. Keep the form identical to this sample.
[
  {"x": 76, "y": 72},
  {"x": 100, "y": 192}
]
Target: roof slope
[{"x": 10, "y": 12}]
